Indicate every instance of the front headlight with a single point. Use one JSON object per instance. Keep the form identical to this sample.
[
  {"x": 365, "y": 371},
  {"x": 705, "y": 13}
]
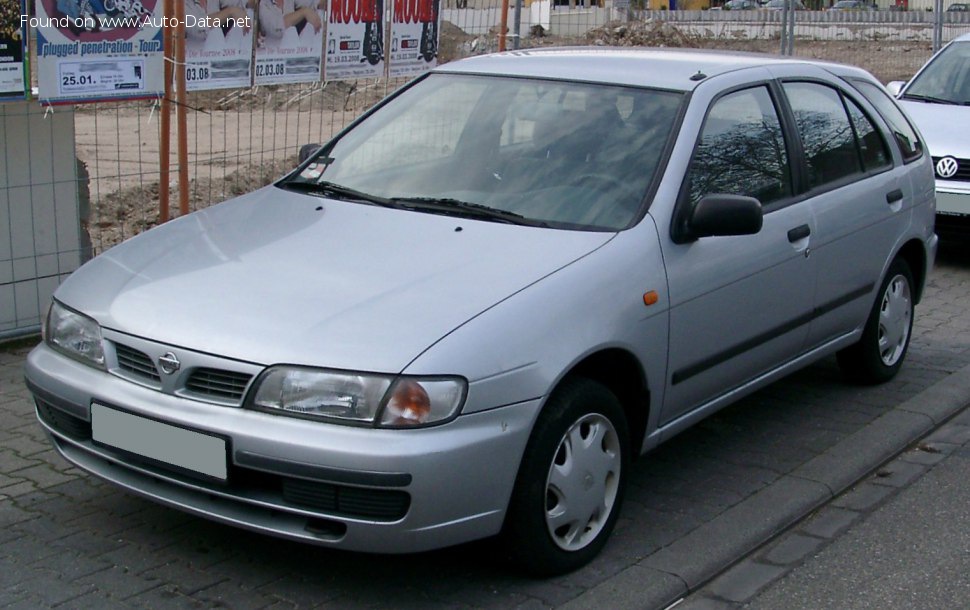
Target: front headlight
[
  {"x": 362, "y": 398},
  {"x": 74, "y": 334}
]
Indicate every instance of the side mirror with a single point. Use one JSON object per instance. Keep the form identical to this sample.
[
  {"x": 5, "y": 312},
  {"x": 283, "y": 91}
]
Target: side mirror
[
  {"x": 721, "y": 215},
  {"x": 895, "y": 87},
  {"x": 307, "y": 150}
]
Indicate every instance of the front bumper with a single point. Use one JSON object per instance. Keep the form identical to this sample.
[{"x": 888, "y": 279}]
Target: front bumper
[
  {"x": 952, "y": 209},
  {"x": 361, "y": 489}
]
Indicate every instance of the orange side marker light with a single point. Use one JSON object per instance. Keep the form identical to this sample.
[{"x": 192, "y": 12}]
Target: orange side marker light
[{"x": 650, "y": 298}]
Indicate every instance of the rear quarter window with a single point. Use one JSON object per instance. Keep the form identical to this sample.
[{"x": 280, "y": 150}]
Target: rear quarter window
[{"x": 903, "y": 132}]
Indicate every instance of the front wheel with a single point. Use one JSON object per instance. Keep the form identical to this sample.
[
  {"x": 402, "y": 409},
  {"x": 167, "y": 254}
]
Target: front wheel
[
  {"x": 569, "y": 488},
  {"x": 879, "y": 354}
]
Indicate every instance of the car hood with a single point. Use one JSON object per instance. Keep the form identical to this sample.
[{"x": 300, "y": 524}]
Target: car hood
[
  {"x": 279, "y": 277},
  {"x": 945, "y": 128}
]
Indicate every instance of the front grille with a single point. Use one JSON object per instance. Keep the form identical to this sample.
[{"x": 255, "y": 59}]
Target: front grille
[
  {"x": 226, "y": 385},
  {"x": 377, "y": 504},
  {"x": 137, "y": 363},
  {"x": 65, "y": 423},
  {"x": 963, "y": 169}
]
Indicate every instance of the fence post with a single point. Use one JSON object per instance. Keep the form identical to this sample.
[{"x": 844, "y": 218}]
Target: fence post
[
  {"x": 517, "y": 30},
  {"x": 784, "y": 28},
  {"x": 791, "y": 27},
  {"x": 937, "y": 25}
]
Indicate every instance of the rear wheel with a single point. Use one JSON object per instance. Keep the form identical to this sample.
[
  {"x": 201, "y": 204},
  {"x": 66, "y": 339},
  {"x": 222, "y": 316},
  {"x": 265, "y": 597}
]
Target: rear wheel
[
  {"x": 879, "y": 354},
  {"x": 569, "y": 488}
]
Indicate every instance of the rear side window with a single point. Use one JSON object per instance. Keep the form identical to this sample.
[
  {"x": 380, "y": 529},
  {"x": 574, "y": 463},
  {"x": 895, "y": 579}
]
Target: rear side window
[
  {"x": 826, "y": 133},
  {"x": 741, "y": 150},
  {"x": 903, "y": 132}
]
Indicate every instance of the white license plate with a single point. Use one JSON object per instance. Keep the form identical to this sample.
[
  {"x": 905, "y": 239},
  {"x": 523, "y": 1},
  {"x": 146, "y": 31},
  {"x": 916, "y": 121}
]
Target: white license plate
[{"x": 165, "y": 443}]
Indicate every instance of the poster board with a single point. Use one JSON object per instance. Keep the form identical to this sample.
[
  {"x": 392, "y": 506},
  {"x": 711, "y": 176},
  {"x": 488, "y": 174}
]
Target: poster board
[
  {"x": 414, "y": 37},
  {"x": 355, "y": 39},
  {"x": 13, "y": 50},
  {"x": 289, "y": 47},
  {"x": 96, "y": 50},
  {"x": 219, "y": 43}
]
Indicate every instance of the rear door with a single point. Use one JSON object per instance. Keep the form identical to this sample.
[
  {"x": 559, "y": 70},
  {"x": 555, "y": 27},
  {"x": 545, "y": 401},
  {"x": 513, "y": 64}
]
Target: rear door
[{"x": 859, "y": 203}]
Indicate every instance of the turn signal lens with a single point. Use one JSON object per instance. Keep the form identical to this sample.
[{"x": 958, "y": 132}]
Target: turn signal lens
[
  {"x": 417, "y": 401},
  {"x": 409, "y": 404}
]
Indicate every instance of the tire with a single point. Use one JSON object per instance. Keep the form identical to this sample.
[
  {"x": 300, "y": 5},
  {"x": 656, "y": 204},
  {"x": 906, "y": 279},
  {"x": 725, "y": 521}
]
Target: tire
[
  {"x": 568, "y": 491},
  {"x": 879, "y": 354}
]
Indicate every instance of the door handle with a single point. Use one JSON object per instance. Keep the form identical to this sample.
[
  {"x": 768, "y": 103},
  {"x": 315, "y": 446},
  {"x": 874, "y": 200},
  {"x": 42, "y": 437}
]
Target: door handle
[
  {"x": 894, "y": 196},
  {"x": 800, "y": 232}
]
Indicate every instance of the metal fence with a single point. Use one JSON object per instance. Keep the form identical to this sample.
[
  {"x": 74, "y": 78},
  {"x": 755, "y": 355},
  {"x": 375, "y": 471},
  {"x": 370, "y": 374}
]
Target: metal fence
[{"x": 242, "y": 139}]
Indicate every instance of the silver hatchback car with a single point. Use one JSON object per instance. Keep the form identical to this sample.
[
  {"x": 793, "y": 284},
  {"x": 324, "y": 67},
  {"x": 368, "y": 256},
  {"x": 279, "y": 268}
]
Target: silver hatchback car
[{"x": 470, "y": 310}]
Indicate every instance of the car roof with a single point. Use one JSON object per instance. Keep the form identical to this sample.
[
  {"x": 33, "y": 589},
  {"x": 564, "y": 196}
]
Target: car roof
[{"x": 644, "y": 67}]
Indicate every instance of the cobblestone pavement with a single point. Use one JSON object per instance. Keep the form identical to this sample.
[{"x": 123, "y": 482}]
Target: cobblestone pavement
[{"x": 68, "y": 539}]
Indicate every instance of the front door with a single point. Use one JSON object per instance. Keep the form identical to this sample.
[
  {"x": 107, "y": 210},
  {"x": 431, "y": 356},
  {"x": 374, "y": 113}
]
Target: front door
[{"x": 739, "y": 305}]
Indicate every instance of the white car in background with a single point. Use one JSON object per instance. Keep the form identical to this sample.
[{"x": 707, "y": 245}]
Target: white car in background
[{"x": 938, "y": 100}]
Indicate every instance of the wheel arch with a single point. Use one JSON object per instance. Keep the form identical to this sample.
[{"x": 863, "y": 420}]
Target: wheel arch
[
  {"x": 621, "y": 372},
  {"x": 914, "y": 253}
]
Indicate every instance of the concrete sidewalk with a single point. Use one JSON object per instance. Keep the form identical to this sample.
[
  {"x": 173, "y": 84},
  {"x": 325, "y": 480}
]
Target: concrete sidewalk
[
  {"x": 898, "y": 540},
  {"x": 695, "y": 506}
]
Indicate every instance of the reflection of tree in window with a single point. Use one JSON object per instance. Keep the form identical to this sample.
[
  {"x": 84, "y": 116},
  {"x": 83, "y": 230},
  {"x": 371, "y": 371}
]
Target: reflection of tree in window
[
  {"x": 872, "y": 146},
  {"x": 742, "y": 151},
  {"x": 903, "y": 132},
  {"x": 827, "y": 136}
]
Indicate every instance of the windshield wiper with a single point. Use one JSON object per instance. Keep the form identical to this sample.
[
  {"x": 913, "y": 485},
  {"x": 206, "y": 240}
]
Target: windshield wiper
[
  {"x": 931, "y": 99},
  {"x": 456, "y": 207},
  {"x": 336, "y": 191}
]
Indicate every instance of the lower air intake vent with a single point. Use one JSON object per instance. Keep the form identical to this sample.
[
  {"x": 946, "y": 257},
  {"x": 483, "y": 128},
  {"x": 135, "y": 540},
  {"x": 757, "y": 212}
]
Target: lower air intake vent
[
  {"x": 376, "y": 504},
  {"x": 65, "y": 423}
]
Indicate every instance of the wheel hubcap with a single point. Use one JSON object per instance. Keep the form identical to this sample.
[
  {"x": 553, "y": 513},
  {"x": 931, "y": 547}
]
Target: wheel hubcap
[
  {"x": 895, "y": 313},
  {"x": 583, "y": 481}
]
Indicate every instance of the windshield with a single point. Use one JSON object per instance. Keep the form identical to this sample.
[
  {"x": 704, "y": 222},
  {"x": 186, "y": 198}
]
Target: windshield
[
  {"x": 946, "y": 79},
  {"x": 551, "y": 153}
]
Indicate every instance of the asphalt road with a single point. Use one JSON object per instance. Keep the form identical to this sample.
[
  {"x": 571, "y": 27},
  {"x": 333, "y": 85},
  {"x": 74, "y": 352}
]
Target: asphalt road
[{"x": 695, "y": 506}]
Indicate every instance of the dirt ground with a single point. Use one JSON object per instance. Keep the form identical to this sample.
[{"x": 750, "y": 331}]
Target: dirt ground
[{"x": 240, "y": 140}]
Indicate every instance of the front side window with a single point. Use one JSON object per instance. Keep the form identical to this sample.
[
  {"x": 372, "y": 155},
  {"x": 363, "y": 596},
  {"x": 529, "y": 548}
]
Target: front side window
[
  {"x": 741, "y": 150},
  {"x": 562, "y": 154},
  {"x": 827, "y": 136}
]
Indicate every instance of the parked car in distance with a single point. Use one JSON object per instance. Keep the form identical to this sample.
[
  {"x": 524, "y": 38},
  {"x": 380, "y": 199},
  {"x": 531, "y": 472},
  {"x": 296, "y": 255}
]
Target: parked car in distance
[
  {"x": 938, "y": 100},
  {"x": 852, "y": 5},
  {"x": 958, "y": 7},
  {"x": 741, "y": 5},
  {"x": 467, "y": 313},
  {"x": 779, "y": 5}
]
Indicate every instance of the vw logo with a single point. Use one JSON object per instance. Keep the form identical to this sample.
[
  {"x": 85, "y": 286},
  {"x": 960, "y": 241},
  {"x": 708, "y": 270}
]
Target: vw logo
[
  {"x": 169, "y": 363},
  {"x": 947, "y": 167}
]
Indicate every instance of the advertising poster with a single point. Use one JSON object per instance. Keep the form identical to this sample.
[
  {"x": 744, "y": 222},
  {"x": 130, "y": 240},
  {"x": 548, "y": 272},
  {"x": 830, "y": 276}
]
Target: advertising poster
[
  {"x": 289, "y": 48},
  {"x": 414, "y": 37},
  {"x": 219, "y": 43},
  {"x": 12, "y": 50},
  {"x": 355, "y": 39},
  {"x": 91, "y": 50}
]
